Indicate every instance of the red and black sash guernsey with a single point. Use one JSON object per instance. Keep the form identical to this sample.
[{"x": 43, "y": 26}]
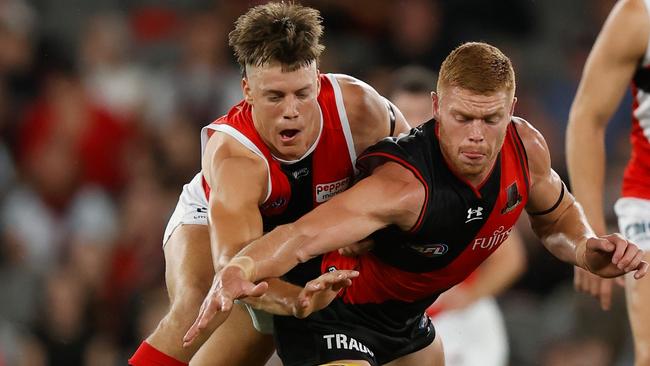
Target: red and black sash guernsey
[{"x": 459, "y": 225}]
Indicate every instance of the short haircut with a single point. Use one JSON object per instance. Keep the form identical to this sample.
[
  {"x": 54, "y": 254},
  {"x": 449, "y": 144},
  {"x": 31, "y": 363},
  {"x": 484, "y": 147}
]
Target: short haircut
[
  {"x": 281, "y": 32},
  {"x": 479, "y": 67}
]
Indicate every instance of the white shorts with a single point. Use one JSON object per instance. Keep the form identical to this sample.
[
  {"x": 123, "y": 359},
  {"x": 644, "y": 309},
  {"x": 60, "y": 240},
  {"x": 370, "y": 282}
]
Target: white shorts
[
  {"x": 192, "y": 208},
  {"x": 473, "y": 336},
  {"x": 634, "y": 220}
]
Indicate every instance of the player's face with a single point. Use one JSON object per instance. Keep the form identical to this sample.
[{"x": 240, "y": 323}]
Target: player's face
[
  {"x": 285, "y": 107},
  {"x": 472, "y": 128}
]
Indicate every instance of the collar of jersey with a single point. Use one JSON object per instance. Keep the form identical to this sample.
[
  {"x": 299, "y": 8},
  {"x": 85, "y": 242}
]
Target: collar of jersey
[{"x": 311, "y": 148}]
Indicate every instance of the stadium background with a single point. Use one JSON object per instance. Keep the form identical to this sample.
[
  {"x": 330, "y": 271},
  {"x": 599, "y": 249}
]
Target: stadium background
[{"x": 101, "y": 103}]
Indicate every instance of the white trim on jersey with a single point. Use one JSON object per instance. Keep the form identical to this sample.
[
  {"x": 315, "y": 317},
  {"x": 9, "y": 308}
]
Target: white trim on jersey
[
  {"x": 234, "y": 133},
  {"x": 345, "y": 124}
]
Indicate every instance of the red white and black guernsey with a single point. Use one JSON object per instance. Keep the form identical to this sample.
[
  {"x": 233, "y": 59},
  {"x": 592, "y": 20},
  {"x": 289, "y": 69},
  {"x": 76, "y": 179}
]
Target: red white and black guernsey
[
  {"x": 458, "y": 227},
  {"x": 296, "y": 187}
]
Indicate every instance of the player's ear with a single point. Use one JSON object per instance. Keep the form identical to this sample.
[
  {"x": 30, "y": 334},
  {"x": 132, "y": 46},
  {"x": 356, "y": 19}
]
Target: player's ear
[
  {"x": 435, "y": 105},
  {"x": 512, "y": 109},
  {"x": 246, "y": 89}
]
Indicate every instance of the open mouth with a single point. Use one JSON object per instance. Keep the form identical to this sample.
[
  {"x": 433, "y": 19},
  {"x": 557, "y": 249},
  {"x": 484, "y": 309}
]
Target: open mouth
[{"x": 288, "y": 134}]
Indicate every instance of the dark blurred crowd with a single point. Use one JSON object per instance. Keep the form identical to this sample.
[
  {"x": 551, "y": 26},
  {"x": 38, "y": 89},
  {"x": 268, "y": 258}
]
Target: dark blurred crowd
[{"x": 101, "y": 104}]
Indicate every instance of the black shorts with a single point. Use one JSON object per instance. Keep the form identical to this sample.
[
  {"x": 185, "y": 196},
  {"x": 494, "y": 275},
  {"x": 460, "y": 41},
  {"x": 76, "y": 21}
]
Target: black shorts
[{"x": 349, "y": 332}]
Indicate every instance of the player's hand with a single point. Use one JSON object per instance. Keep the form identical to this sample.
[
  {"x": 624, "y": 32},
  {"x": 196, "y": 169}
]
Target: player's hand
[
  {"x": 598, "y": 287},
  {"x": 357, "y": 248},
  {"x": 229, "y": 284},
  {"x": 318, "y": 293},
  {"x": 611, "y": 256}
]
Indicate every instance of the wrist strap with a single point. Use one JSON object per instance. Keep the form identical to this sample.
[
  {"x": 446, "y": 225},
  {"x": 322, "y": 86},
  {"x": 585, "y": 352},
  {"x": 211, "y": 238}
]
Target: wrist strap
[{"x": 246, "y": 264}]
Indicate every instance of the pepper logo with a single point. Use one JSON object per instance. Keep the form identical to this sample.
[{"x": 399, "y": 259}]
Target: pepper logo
[{"x": 328, "y": 190}]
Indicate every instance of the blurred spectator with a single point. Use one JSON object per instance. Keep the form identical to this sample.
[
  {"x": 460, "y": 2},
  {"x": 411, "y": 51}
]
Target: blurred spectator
[
  {"x": 64, "y": 120},
  {"x": 111, "y": 77}
]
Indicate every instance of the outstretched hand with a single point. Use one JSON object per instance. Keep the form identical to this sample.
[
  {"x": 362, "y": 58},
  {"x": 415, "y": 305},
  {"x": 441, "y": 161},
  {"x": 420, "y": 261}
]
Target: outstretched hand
[
  {"x": 318, "y": 293},
  {"x": 228, "y": 285},
  {"x": 612, "y": 256}
]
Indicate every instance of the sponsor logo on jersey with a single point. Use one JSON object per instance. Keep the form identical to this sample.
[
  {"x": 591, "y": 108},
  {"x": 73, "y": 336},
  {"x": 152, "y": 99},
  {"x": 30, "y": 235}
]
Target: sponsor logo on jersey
[
  {"x": 300, "y": 173},
  {"x": 342, "y": 341},
  {"x": 328, "y": 190},
  {"x": 474, "y": 214},
  {"x": 431, "y": 250},
  {"x": 514, "y": 198},
  {"x": 487, "y": 243}
]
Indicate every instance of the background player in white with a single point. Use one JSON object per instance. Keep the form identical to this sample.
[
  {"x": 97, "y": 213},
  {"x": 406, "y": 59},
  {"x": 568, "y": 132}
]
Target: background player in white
[{"x": 620, "y": 56}]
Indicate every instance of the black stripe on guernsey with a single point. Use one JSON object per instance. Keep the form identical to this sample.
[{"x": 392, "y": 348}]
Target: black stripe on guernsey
[
  {"x": 300, "y": 176},
  {"x": 417, "y": 174},
  {"x": 521, "y": 153},
  {"x": 557, "y": 203},
  {"x": 391, "y": 116},
  {"x": 642, "y": 79}
]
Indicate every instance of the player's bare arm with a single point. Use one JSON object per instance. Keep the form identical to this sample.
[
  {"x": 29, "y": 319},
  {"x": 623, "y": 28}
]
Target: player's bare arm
[
  {"x": 240, "y": 180},
  {"x": 558, "y": 220},
  {"x": 605, "y": 78},
  {"x": 372, "y": 117},
  {"x": 345, "y": 219}
]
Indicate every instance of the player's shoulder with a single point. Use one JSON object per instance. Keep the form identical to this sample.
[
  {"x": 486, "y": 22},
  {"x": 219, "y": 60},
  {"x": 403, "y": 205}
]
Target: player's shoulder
[
  {"x": 223, "y": 147},
  {"x": 534, "y": 144},
  {"x": 632, "y": 8},
  {"x": 630, "y": 19},
  {"x": 362, "y": 101},
  {"x": 366, "y": 110}
]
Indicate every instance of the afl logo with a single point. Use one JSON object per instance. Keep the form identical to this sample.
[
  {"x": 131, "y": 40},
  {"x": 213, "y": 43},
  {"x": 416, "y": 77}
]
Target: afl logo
[{"x": 431, "y": 250}]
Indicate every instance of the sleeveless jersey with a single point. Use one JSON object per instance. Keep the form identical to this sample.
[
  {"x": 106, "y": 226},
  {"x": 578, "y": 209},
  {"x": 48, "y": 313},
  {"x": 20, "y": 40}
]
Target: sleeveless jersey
[
  {"x": 295, "y": 188},
  {"x": 636, "y": 180},
  {"x": 458, "y": 227}
]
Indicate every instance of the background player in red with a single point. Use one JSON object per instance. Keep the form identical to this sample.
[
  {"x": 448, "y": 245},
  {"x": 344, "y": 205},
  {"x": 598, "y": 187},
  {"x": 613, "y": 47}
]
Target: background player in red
[
  {"x": 620, "y": 55},
  {"x": 444, "y": 198},
  {"x": 290, "y": 145}
]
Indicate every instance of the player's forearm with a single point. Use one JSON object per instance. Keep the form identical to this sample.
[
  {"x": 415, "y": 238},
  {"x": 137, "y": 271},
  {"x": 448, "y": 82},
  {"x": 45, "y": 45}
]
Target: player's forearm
[
  {"x": 275, "y": 253},
  {"x": 586, "y": 165},
  {"x": 230, "y": 231},
  {"x": 564, "y": 236},
  {"x": 279, "y": 299}
]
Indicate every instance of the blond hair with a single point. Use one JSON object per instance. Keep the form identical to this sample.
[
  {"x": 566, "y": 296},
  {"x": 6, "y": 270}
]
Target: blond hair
[{"x": 479, "y": 67}]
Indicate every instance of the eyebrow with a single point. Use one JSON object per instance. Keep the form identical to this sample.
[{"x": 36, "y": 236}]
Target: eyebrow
[
  {"x": 488, "y": 116},
  {"x": 279, "y": 92}
]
